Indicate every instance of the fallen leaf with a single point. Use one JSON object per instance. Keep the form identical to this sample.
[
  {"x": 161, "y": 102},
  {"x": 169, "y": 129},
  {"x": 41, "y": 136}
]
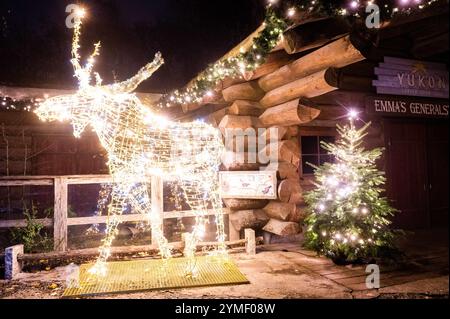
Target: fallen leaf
[{"x": 53, "y": 286}]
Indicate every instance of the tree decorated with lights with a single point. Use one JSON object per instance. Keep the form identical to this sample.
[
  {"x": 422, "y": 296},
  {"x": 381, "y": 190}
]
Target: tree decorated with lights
[{"x": 348, "y": 216}]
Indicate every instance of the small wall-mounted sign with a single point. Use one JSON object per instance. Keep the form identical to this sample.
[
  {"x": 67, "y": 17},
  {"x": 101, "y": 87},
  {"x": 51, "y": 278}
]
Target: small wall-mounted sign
[
  {"x": 406, "y": 106},
  {"x": 248, "y": 184},
  {"x": 411, "y": 77}
]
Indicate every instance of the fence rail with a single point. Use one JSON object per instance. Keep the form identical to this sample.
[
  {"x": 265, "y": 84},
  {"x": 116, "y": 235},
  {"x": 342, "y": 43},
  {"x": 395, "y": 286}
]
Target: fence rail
[{"x": 61, "y": 221}]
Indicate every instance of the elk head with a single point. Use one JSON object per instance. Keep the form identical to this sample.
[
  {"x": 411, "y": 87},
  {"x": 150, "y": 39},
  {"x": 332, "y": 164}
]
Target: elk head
[{"x": 79, "y": 107}]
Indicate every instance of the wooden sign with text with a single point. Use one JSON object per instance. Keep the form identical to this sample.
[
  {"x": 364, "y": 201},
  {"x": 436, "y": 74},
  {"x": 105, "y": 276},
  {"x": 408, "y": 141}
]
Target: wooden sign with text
[
  {"x": 248, "y": 184},
  {"x": 407, "y": 107},
  {"x": 411, "y": 77}
]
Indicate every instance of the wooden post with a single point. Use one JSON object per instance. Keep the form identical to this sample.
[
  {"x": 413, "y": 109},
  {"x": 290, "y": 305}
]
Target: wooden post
[
  {"x": 157, "y": 202},
  {"x": 267, "y": 237},
  {"x": 13, "y": 267},
  {"x": 60, "y": 215},
  {"x": 250, "y": 241}
]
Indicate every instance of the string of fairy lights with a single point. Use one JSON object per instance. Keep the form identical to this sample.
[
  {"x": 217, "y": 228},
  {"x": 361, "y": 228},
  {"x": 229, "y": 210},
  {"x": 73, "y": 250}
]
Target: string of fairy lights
[{"x": 12, "y": 104}]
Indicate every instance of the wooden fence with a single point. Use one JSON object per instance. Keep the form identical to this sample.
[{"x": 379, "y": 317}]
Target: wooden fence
[{"x": 61, "y": 221}]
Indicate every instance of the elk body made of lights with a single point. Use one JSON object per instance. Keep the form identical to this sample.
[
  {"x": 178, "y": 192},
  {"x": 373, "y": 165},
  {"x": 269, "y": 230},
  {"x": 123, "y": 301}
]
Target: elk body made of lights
[{"x": 141, "y": 144}]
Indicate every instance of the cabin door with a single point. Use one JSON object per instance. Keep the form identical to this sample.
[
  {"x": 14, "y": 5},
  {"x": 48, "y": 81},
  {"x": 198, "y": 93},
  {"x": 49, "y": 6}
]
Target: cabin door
[
  {"x": 417, "y": 172},
  {"x": 438, "y": 175}
]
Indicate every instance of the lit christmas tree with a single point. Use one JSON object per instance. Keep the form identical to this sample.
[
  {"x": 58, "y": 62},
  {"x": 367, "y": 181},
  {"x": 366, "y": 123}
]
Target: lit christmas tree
[{"x": 348, "y": 216}]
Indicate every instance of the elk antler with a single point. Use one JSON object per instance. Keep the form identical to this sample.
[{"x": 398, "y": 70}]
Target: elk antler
[
  {"x": 83, "y": 74},
  {"x": 131, "y": 84},
  {"x": 75, "y": 47}
]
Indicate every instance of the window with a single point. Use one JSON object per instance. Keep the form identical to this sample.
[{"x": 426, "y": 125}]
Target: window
[{"x": 313, "y": 153}]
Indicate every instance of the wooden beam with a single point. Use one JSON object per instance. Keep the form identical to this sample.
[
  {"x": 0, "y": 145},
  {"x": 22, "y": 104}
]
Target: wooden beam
[
  {"x": 43, "y": 182},
  {"x": 284, "y": 151},
  {"x": 289, "y": 191},
  {"x": 279, "y": 210},
  {"x": 314, "y": 34},
  {"x": 309, "y": 86},
  {"x": 89, "y": 220},
  {"x": 244, "y": 204},
  {"x": 69, "y": 177},
  {"x": 216, "y": 117},
  {"x": 232, "y": 161},
  {"x": 274, "y": 61},
  {"x": 274, "y": 133},
  {"x": 123, "y": 250},
  {"x": 282, "y": 228},
  {"x": 340, "y": 79},
  {"x": 191, "y": 213},
  {"x": 251, "y": 218},
  {"x": 47, "y": 222},
  {"x": 336, "y": 54},
  {"x": 239, "y": 122},
  {"x": 244, "y": 91},
  {"x": 92, "y": 179},
  {"x": 284, "y": 170},
  {"x": 289, "y": 113},
  {"x": 244, "y": 107}
]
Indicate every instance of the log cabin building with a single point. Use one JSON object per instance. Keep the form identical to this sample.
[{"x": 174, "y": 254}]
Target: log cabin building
[{"x": 396, "y": 78}]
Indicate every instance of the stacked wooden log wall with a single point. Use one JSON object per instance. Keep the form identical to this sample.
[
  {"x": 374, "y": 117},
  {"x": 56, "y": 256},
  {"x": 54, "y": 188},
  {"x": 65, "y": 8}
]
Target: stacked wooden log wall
[
  {"x": 277, "y": 102},
  {"x": 243, "y": 114}
]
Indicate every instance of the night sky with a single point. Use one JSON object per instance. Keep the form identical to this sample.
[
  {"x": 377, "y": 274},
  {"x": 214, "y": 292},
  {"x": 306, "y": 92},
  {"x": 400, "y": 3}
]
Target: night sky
[{"x": 35, "y": 43}]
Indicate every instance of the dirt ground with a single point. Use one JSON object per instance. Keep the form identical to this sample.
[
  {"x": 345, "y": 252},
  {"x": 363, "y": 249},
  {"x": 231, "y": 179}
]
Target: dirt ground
[{"x": 288, "y": 271}]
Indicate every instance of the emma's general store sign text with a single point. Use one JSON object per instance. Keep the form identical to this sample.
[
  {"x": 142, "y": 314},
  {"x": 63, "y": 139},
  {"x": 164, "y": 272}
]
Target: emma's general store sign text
[
  {"x": 398, "y": 106},
  {"x": 248, "y": 184},
  {"x": 411, "y": 77}
]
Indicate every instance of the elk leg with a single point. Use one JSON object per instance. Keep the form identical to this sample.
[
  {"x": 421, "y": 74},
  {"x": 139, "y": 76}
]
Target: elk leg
[
  {"x": 115, "y": 209},
  {"x": 140, "y": 201},
  {"x": 201, "y": 194}
]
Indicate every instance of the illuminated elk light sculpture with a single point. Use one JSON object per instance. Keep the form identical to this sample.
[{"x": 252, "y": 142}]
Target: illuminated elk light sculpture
[{"x": 140, "y": 144}]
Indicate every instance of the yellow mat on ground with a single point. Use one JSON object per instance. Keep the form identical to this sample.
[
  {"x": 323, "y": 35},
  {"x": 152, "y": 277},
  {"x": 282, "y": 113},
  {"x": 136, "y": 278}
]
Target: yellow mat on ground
[{"x": 154, "y": 274}]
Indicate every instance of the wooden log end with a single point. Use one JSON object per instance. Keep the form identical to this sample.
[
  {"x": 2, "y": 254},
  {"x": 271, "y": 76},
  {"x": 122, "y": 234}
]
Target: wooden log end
[{"x": 282, "y": 228}]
